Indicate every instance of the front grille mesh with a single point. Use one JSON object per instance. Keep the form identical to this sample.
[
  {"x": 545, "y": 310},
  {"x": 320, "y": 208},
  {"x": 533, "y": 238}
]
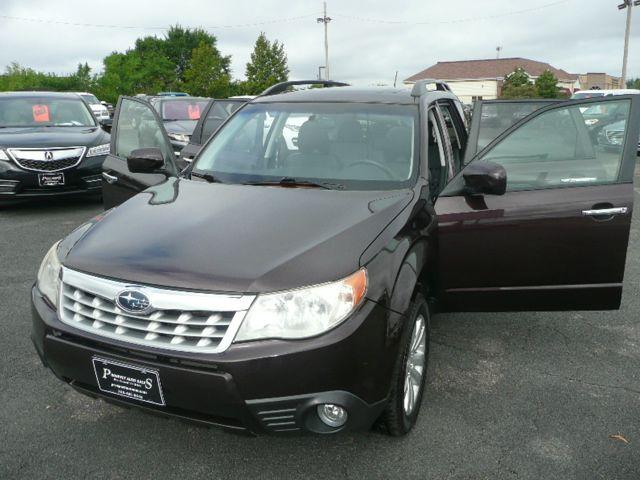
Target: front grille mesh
[
  {"x": 177, "y": 320},
  {"x": 47, "y": 166}
]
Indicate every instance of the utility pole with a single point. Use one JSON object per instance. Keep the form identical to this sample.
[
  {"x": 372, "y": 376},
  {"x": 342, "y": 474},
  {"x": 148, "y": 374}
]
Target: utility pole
[
  {"x": 325, "y": 19},
  {"x": 628, "y": 4}
]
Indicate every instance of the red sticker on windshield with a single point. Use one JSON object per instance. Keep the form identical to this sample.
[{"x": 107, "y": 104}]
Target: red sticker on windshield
[
  {"x": 41, "y": 113},
  {"x": 194, "y": 112}
]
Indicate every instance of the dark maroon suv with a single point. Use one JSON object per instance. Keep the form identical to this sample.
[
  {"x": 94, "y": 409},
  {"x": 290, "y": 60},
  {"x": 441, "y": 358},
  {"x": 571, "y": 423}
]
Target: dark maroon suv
[{"x": 285, "y": 281}]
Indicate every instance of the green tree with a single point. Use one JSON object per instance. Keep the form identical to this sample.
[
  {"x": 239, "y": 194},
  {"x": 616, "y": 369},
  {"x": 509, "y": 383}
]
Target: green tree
[
  {"x": 179, "y": 44},
  {"x": 547, "y": 85},
  {"x": 83, "y": 78},
  {"x": 268, "y": 65},
  {"x": 633, "y": 83},
  {"x": 518, "y": 85},
  {"x": 160, "y": 63},
  {"x": 208, "y": 72}
]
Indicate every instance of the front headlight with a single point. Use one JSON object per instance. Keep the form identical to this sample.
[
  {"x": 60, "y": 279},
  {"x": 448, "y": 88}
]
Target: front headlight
[
  {"x": 49, "y": 275},
  {"x": 305, "y": 312},
  {"x": 98, "y": 150},
  {"x": 4, "y": 156},
  {"x": 180, "y": 137},
  {"x": 591, "y": 122}
]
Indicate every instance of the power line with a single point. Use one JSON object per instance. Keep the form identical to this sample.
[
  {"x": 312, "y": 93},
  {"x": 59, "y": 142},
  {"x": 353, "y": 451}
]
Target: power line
[
  {"x": 448, "y": 22},
  {"x": 144, "y": 27}
]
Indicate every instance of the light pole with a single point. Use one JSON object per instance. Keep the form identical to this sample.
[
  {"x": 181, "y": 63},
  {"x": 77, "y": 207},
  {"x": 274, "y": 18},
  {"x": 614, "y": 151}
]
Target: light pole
[
  {"x": 325, "y": 20},
  {"x": 628, "y": 4}
]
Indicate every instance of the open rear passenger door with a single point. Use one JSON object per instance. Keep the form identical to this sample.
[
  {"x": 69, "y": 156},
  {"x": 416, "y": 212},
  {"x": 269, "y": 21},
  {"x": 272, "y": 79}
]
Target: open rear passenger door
[
  {"x": 554, "y": 235},
  {"x": 136, "y": 125}
]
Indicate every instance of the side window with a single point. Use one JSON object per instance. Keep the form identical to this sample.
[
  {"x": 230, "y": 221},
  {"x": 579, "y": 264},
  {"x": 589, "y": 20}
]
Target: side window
[
  {"x": 565, "y": 146},
  {"x": 217, "y": 114},
  {"x": 455, "y": 131},
  {"x": 138, "y": 127}
]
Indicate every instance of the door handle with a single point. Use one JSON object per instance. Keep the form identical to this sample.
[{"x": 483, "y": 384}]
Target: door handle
[
  {"x": 605, "y": 212},
  {"x": 110, "y": 179}
]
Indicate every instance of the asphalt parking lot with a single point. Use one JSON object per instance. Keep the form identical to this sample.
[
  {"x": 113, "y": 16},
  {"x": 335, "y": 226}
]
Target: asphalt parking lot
[{"x": 516, "y": 396}]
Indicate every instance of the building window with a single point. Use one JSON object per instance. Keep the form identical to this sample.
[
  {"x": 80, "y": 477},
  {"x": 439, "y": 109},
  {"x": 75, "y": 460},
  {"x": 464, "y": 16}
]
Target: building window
[{"x": 475, "y": 98}]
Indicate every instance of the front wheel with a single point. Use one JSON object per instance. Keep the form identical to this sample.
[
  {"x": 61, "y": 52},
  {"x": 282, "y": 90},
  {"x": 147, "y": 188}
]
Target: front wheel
[{"x": 409, "y": 374}]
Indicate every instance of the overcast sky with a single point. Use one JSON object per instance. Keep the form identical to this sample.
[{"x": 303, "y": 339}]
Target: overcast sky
[{"x": 369, "y": 40}]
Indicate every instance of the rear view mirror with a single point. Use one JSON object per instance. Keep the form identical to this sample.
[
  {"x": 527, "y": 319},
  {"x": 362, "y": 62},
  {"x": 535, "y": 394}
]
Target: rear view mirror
[
  {"x": 485, "y": 178},
  {"x": 146, "y": 160}
]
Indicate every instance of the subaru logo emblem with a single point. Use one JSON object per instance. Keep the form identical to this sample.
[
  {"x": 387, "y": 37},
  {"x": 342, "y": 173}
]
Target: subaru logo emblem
[{"x": 133, "y": 301}]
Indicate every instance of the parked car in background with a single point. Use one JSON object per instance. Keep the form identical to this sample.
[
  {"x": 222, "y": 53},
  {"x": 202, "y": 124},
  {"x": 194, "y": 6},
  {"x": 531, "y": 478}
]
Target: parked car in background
[
  {"x": 99, "y": 110},
  {"x": 584, "y": 94},
  {"x": 282, "y": 288},
  {"x": 109, "y": 106},
  {"x": 612, "y": 136},
  {"x": 214, "y": 115},
  {"x": 50, "y": 145},
  {"x": 180, "y": 114},
  {"x": 172, "y": 94}
]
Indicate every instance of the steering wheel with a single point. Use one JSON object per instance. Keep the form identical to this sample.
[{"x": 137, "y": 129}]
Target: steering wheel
[{"x": 379, "y": 166}]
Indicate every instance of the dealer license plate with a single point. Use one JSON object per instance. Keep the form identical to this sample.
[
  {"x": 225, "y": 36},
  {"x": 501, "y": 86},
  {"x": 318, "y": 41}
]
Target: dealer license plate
[{"x": 128, "y": 381}]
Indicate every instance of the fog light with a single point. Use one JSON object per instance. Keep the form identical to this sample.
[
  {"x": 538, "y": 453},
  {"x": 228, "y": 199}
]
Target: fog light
[{"x": 332, "y": 415}]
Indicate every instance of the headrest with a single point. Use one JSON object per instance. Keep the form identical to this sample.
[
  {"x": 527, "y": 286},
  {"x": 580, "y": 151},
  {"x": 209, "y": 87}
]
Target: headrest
[
  {"x": 398, "y": 143},
  {"x": 351, "y": 131},
  {"x": 312, "y": 138}
]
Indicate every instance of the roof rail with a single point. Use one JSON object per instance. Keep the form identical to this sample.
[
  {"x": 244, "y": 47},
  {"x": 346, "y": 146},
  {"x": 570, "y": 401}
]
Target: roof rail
[
  {"x": 284, "y": 86},
  {"x": 422, "y": 86}
]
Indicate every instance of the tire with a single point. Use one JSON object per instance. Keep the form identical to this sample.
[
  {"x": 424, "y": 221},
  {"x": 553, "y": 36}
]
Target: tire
[{"x": 400, "y": 414}]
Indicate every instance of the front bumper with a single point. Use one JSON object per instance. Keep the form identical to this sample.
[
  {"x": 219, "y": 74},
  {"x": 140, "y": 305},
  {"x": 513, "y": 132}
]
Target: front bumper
[
  {"x": 17, "y": 183},
  {"x": 257, "y": 387}
]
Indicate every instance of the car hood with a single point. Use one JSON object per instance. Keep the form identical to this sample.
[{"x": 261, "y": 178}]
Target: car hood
[
  {"x": 232, "y": 238},
  {"x": 33, "y": 137}
]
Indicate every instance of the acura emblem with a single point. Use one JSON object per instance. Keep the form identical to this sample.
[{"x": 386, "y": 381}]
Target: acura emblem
[
  {"x": 133, "y": 301},
  {"x": 48, "y": 155}
]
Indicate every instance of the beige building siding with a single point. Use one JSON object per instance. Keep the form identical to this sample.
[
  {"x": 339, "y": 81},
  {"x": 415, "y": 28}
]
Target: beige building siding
[{"x": 469, "y": 90}]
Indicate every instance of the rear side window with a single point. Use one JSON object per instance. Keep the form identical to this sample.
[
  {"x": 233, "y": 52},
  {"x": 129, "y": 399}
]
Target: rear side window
[
  {"x": 138, "y": 127},
  {"x": 565, "y": 146}
]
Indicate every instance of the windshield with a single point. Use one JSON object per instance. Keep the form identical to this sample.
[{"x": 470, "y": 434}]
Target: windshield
[
  {"x": 182, "y": 109},
  {"x": 90, "y": 99},
  {"x": 44, "y": 111},
  {"x": 352, "y": 146}
]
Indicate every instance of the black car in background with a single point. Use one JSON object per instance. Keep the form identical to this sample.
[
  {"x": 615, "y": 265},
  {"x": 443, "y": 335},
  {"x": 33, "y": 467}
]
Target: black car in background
[
  {"x": 180, "y": 116},
  {"x": 214, "y": 115},
  {"x": 50, "y": 144}
]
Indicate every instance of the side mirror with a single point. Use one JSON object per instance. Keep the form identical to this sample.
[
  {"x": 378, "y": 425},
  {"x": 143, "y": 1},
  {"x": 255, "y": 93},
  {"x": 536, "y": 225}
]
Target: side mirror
[
  {"x": 485, "y": 178},
  {"x": 106, "y": 124},
  {"x": 146, "y": 160}
]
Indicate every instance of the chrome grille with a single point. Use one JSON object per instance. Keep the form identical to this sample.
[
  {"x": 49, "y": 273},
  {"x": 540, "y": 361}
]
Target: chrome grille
[
  {"x": 47, "y": 159},
  {"x": 179, "y": 320}
]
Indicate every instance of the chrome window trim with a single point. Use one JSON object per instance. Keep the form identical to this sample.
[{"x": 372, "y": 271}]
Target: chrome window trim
[
  {"x": 10, "y": 151},
  {"x": 161, "y": 299}
]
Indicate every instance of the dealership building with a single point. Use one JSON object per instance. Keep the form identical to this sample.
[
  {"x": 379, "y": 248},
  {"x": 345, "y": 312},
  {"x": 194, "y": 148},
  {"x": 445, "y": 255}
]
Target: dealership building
[{"x": 474, "y": 80}]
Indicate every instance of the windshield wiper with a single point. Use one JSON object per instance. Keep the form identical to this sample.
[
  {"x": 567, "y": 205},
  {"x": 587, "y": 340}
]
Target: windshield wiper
[
  {"x": 292, "y": 182},
  {"x": 205, "y": 176}
]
